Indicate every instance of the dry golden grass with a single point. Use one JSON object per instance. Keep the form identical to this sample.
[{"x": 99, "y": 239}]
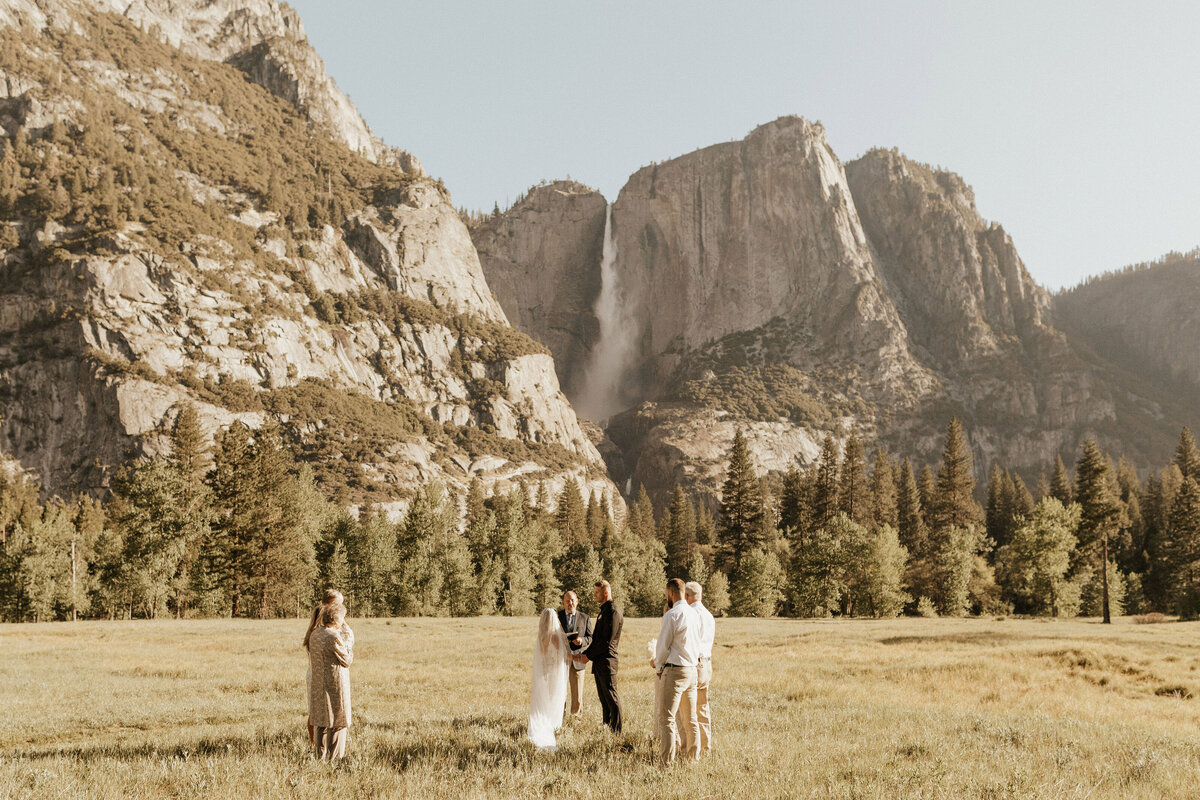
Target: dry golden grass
[{"x": 902, "y": 708}]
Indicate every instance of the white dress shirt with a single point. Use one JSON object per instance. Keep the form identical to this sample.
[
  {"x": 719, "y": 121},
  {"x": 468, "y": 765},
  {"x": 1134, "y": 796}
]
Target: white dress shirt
[
  {"x": 679, "y": 638},
  {"x": 708, "y": 629}
]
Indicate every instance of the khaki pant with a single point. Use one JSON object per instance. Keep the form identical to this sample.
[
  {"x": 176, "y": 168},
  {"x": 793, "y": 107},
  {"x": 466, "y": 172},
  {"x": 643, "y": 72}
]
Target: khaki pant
[
  {"x": 703, "y": 713},
  {"x": 675, "y": 695},
  {"x": 576, "y": 691},
  {"x": 330, "y": 742}
]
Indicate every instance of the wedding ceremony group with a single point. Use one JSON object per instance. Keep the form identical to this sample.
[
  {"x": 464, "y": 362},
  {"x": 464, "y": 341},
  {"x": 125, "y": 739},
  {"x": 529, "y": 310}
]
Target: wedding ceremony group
[{"x": 567, "y": 640}]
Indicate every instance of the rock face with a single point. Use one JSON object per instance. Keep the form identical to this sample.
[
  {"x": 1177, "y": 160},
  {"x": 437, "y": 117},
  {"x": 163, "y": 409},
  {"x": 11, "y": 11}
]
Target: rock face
[
  {"x": 780, "y": 292},
  {"x": 964, "y": 290},
  {"x": 1143, "y": 318},
  {"x": 373, "y": 337},
  {"x": 263, "y": 38},
  {"x": 688, "y": 445},
  {"x": 542, "y": 259},
  {"x": 420, "y": 247},
  {"x": 733, "y": 236},
  {"x": 74, "y": 416}
]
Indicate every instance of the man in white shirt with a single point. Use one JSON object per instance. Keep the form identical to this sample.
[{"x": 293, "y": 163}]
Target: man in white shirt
[
  {"x": 676, "y": 658},
  {"x": 692, "y": 593}
]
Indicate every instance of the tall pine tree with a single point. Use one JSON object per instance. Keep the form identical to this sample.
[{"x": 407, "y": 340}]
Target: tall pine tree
[
  {"x": 997, "y": 510},
  {"x": 927, "y": 487},
  {"x": 1099, "y": 512},
  {"x": 793, "y": 506},
  {"x": 954, "y": 500},
  {"x": 190, "y": 457},
  {"x": 641, "y": 515},
  {"x": 910, "y": 521},
  {"x": 1161, "y": 492},
  {"x": 189, "y": 446},
  {"x": 1022, "y": 498},
  {"x": 706, "y": 526},
  {"x": 1187, "y": 457},
  {"x": 1060, "y": 482},
  {"x": 681, "y": 544},
  {"x": 883, "y": 491},
  {"x": 571, "y": 516},
  {"x": 741, "y": 507},
  {"x": 1181, "y": 550},
  {"x": 854, "y": 495},
  {"x": 826, "y": 484}
]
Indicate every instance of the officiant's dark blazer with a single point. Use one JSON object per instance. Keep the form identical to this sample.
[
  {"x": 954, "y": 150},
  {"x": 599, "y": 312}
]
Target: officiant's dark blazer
[
  {"x": 606, "y": 637},
  {"x": 583, "y": 627}
]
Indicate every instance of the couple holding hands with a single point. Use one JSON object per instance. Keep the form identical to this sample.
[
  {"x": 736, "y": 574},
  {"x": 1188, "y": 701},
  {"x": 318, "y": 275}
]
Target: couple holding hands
[
  {"x": 567, "y": 641},
  {"x": 681, "y": 657}
]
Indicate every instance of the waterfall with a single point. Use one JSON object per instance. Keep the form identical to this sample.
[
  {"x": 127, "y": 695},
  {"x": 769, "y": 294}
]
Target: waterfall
[{"x": 613, "y": 352}]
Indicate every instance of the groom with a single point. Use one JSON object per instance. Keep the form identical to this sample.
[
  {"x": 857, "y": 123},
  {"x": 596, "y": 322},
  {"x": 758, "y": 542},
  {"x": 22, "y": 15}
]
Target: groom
[{"x": 602, "y": 652}]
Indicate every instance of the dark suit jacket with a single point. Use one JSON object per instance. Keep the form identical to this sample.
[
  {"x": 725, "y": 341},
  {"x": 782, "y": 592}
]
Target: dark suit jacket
[
  {"x": 606, "y": 636},
  {"x": 583, "y": 627}
]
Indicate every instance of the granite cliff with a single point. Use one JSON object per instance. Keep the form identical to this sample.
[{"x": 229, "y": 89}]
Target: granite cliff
[
  {"x": 778, "y": 290},
  {"x": 736, "y": 236},
  {"x": 962, "y": 286},
  {"x": 542, "y": 258},
  {"x": 192, "y": 212}
]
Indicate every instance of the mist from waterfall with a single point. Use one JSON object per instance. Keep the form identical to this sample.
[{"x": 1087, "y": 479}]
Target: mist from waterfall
[{"x": 613, "y": 352}]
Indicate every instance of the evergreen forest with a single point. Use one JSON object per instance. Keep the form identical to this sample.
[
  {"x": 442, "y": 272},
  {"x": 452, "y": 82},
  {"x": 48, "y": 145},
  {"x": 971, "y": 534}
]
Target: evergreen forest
[{"x": 241, "y": 528}]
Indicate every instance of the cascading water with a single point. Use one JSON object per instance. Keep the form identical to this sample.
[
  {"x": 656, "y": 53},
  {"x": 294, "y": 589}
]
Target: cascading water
[{"x": 612, "y": 355}]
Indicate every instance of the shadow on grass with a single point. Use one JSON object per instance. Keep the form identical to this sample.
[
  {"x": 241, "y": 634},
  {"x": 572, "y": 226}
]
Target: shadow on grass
[
  {"x": 215, "y": 746},
  {"x": 491, "y": 740},
  {"x": 453, "y": 753},
  {"x": 482, "y": 741},
  {"x": 501, "y": 724},
  {"x": 475, "y": 740},
  {"x": 789, "y": 640},
  {"x": 975, "y": 637}
]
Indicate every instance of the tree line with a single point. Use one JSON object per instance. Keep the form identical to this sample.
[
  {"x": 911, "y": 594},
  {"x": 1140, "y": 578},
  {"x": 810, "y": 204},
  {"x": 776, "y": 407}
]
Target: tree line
[
  {"x": 240, "y": 528},
  {"x": 845, "y": 538}
]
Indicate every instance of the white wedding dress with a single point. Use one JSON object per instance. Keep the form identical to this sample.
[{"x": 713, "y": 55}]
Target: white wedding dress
[{"x": 548, "y": 695}]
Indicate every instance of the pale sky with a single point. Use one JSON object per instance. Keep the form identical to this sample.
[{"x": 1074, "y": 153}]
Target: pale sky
[{"x": 1077, "y": 124}]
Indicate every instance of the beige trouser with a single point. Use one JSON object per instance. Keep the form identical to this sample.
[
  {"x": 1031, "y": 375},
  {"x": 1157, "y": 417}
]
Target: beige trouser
[
  {"x": 330, "y": 742},
  {"x": 675, "y": 695},
  {"x": 703, "y": 714},
  {"x": 576, "y": 691}
]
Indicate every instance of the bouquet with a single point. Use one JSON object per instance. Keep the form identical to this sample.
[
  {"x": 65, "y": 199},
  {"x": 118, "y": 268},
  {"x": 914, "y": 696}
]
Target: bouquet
[{"x": 651, "y": 648}]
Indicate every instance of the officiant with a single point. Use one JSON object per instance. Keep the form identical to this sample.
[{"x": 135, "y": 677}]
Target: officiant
[{"x": 578, "y": 627}]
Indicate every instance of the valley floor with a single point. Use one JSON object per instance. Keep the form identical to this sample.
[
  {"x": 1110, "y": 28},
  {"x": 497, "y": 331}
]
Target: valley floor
[{"x": 920, "y": 708}]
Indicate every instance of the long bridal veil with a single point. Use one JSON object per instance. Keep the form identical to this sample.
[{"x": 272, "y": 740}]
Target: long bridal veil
[{"x": 551, "y": 662}]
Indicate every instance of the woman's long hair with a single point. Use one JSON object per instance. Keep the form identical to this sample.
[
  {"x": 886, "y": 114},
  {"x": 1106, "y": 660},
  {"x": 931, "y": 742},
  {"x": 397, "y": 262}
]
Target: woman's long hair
[
  {"x": 549, "y": 632},
  {"x": 548, "y": 691},
  {"x": 330, "y": 596}
]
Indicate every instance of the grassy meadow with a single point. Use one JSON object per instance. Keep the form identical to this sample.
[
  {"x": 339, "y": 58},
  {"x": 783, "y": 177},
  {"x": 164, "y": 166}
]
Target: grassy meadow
[{"x": 922, "y": 708}]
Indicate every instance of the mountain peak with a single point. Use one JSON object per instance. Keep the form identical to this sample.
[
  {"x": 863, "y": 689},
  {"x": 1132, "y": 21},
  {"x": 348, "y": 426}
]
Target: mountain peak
[
  {"x": 263, "y": 38},
  {"x": 962, "y": 286},
  {"x": 767, "y": 286},
  {"x": 172, "y": 233},
  {"x": 542, "y": 259}
]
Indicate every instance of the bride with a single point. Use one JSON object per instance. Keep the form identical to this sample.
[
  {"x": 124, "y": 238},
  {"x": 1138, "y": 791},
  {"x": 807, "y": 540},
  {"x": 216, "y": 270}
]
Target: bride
[{"x": 551, "y": 661}]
